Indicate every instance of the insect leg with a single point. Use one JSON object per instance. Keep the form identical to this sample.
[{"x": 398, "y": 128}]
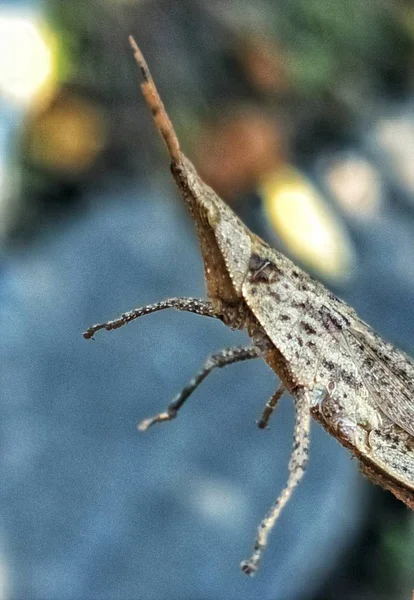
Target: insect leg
[
  {"x": 217, "y": 360},
  {"x": 194, "y": 305},
  {"x": 297, "y": 465},
  {"x": 270, "y": 407}
]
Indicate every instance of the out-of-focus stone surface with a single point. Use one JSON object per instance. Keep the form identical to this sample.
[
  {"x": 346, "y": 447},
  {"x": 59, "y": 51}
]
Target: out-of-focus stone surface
[{"x": 92, "y": 509}]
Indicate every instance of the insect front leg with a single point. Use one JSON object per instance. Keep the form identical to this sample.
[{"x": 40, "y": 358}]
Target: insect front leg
[
  {"x": 193, "y": 305},
  {"x": 297, "y": 466},
  {"x": 215, "y": 361}
]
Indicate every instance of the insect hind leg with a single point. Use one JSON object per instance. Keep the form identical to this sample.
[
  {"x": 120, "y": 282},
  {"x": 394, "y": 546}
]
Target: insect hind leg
[{"x": 297, "y": 466}]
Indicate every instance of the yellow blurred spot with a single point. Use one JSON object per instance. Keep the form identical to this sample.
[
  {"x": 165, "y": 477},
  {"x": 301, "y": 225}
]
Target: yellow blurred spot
[
  {"x": 68, "y": 135},
  {"x": 306, "y": 225},
  {"x": 26, "y": 61}
]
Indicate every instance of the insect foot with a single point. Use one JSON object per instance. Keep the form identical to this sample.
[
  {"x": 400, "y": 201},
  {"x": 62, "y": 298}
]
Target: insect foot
[{"x": 250, "y": 566}]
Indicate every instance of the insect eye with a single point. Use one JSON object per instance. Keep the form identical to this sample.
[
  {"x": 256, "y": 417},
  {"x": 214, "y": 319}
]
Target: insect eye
[{"x": 261, "y": 269}]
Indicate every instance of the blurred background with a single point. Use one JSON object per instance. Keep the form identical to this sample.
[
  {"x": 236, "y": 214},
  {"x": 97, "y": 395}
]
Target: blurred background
[{"x": 301, "y": 115}]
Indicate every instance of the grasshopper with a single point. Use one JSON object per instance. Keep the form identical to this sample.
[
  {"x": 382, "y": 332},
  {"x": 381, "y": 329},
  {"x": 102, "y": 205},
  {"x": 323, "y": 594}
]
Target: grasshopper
[{"x": 336, "y": 368}]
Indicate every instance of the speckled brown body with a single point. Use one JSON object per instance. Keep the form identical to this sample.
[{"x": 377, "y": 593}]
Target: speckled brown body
[{"x": 361, "y": 388}]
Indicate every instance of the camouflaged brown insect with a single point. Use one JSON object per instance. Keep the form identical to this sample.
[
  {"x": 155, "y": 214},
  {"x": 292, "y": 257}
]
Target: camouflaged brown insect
[{"x": 336, "y": 368}]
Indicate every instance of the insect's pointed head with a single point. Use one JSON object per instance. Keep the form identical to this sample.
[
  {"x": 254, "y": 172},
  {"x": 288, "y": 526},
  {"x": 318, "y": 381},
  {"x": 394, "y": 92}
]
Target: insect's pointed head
[{"x": 225, "y": 241}]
